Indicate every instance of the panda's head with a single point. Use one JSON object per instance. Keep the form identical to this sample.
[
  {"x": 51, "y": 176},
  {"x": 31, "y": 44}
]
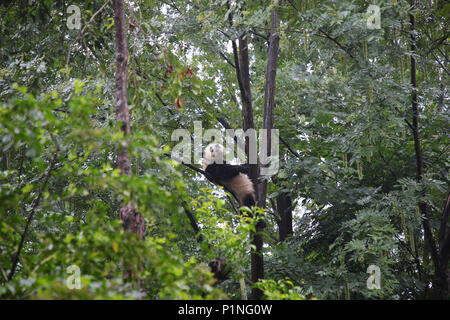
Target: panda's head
[{"x": 213, "y": 153}]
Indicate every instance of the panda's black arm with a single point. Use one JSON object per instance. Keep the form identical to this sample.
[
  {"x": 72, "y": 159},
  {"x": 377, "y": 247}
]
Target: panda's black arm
[
  {"x": 225, "y": 171},
  {"x": 243, "y": 168}
]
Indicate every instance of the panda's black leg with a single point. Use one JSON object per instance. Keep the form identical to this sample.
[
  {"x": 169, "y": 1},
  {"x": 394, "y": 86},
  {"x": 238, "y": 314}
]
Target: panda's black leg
[{"x": 249, "y": 201}]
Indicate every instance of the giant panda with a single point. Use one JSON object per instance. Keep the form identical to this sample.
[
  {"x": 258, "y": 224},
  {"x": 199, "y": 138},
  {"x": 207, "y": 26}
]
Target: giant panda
[{"x": 232, "y": 177}]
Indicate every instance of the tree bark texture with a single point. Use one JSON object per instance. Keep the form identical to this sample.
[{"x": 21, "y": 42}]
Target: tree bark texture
[
  {"x": 269, "y": 102},
  {"x": 242, "y": 64},
  {"x": 242, "y": 67},
  {"x": 256, "y": 258},
  {"x": 132, "y": 220},
  {"x": 284, "y": 209},
  {"x": 269, "y": 94}
]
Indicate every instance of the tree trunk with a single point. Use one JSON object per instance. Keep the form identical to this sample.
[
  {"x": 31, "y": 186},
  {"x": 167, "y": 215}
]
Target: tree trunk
[
  {"x": 269, "y": 103},
  {"x": 269, "y": 94},
  {"x": 439, "y": 256},
  {"x": 441, "y": 279},
  {"x": 242, "y": 67},
  {"x": 132, "y": 221},
  {"x": 241, "y": 62},
  {"x": 256, "y": 258},
  {"x": 284, "y": 209},
  {"x": 243, "y": 76},
  {"x": 257, "y": 262}
]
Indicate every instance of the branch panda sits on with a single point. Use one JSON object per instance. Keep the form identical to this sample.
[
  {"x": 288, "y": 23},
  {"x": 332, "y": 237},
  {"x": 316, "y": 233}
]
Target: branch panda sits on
[{"x": 233, "y": 177}]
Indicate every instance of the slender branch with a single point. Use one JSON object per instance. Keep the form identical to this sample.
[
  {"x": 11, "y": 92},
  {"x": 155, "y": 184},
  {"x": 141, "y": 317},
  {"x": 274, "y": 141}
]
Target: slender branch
[
  {"x": 193, "y": 223},
  {"x": 165, "y": 105},
  {"x": 140, "y": 29},
  {"x": 236, "y": 209},
  {"x": 274, "y": 209},
  {"x": 202, "y": 172},
  {"x": 406, "y": 120},
  {"x": 225, "y": 34},
  {"x": 237, "y": 66},
  {"x": 226, "y": 59},
  {"x": 259, "y": 35},
  {"x": 223, "y": 122},
  {"x": 326, "y": 35},
  {"x": 295, "y": 153},
  {"x": 443, "y": 54},
  {"x": 419, "y": 162},
  {"x": 173, "y": 5},
  {"x": 440, "y": 63},
  {"x": 84, "y": 29},
  {"x": 293, "y": 5},
  {"x": 439, "y": 41},
  {"x": 416, "y": 259},
  {"x": 34, "y": 206},
  {"x": 92, "y": 18}
]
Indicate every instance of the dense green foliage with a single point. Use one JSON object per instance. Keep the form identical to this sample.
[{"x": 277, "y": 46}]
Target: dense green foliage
[{"x": 342, "y": 97}]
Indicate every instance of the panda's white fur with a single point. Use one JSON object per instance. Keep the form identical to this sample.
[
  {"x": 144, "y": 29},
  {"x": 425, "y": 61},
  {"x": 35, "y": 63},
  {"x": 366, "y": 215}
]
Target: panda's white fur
[
  {"x": 213, "y": 153},
  {"x": 240, "y": 184}
]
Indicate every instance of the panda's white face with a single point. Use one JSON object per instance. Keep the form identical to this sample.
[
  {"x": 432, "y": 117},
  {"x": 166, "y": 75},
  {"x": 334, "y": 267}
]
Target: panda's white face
[{"x": 213, "y": 153}]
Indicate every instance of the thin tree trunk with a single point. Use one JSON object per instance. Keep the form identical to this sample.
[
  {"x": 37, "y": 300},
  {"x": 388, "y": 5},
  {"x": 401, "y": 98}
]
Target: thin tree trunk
[
  {"x": 132, "y": 221},
  {"x": 194, "y": 224},
  {"x": 34, "y": 206},
  {"x": 284, "y": 208},
  {"x": 242, "y": 67},
  {"x": 241, "y": 62},
  {"x": 256, "y": 258},
  {"x": 243, "y": 76},
  {"x": 442, "y": 277},
  {"x": 269, "y": 95},
  {"x": 269, "y": 103},
  {"x": 439, "y": 255}
]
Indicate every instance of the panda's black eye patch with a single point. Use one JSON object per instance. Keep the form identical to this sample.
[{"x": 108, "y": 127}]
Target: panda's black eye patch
[{"x": 211, "y": 149}]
